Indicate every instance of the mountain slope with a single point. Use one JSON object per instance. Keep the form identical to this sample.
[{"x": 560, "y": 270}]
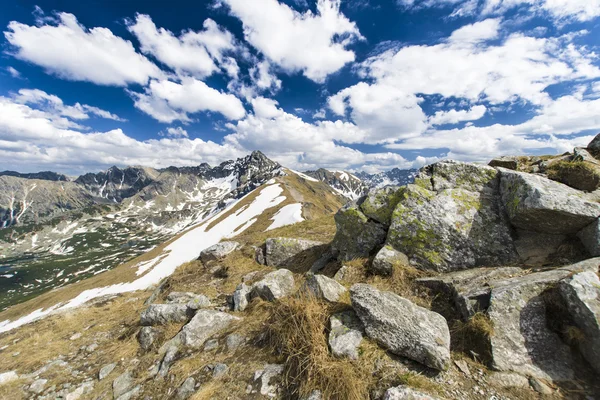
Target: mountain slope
[
  {"x": 344, "y": 183},
  {"x": 393, "y": 177}
]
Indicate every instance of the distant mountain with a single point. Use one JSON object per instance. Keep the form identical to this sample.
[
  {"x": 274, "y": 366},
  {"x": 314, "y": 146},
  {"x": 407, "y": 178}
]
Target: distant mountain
[
  {"x": 393, "y": 177},
  {"x": 43, "y": 175},
  {"x": 343, "y": 183}
]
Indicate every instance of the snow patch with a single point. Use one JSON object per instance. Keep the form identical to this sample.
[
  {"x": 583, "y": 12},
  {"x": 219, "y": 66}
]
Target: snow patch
[
  {"x": 287, "y": 215},
  {"x": 301, "y": 175}
]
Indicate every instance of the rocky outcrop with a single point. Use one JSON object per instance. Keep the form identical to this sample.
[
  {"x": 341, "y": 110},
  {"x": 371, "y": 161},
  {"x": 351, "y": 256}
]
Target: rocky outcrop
[
  {"x": 217, "y": 251},
  {"x": 205, "y": 324},
  {"x": 324, "y": 288},
  {"x": 402, "y": 327},
  {"x": 405, "y": 393},
  {"x": 538, "y": 204},
  {"x": 356, "y": 235},
  {"x": 451, "y": 219},
  {"x": 581, "y": 293},
  {"x": 590, "y": 237},
  {"x": 282, "y": 252},
  {"x": 345, "y": 335},
  {"x": 160, "y": 314},
  {"x": 386, "y": 260},
  {"x": 379, "y": 204},
  {"x": 470, "y": 289}
]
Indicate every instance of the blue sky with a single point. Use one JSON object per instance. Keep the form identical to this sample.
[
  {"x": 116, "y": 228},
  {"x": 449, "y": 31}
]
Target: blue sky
[{"x": 356, "y": 84}]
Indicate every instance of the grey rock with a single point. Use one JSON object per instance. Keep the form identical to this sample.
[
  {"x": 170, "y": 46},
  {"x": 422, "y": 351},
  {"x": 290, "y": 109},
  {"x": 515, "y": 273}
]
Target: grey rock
[
  {"x": 160, "y": 314},
  {"x": 581, "y": 293},
  {"x": 590, "y": 237},
  {"x": 211, "y": 344},
  {"x": 75, "y": 336},
  {"x": 539, "y": 204},
  {"x": 315, "y": 395},
  {"x": 345, "y": 273},
  {"x": 507, "y": 162},
  {"x": 470, "y": 289},
  {"x": 345, "y": 335},
  {"x": 537, "y": 249},
  {"x": 406, "y": 393},
  {"x": 521, "y": 341},
  {"x": 386, "y": 259},
  {"x": 234, "y": 341},
  {"x": 187, "y": 389},
  {"x": 8, "y": 376},
  {"x": 581, "y": 154},
  {"x": 202, "y": 326},
  {"x": 217, "y": 251},
  {"x": 259, "y": 255},
  {"x": 131, "y": 394},
  {"x": 280, "y": 252},
  {"x": 82, "y": 389},
  {"x": 219, "y": 370},
  {"x": 122, "y": 384},
  {"x": 379, "y": 204},
  {"x": 264, "y": 378},
  {"x": 324, "y": 288},
  {"x": 179, "y": 297},
  {"x": 595, "y": 143},
  {"x": 403, "y": 327},
  {"x": 458, "y": 225},
  {"x": 508, "y": 379},
  {"x": 148, "y": 336},
  {"x": 38, "y": 386},
  {"x": 168, "y": 359},
  {"x": 241, "y": 296},
  {"x": 197, "y": 302},
  {"x": 356, "y": 235},
  {"x": 106, "y": 370},
  {"x": 274, "y": 285}
]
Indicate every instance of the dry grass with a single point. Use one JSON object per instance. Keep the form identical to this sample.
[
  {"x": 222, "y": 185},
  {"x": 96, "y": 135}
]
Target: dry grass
[
  {"x": 473, "y": 335},
  {"x": 298, "y": 334}
]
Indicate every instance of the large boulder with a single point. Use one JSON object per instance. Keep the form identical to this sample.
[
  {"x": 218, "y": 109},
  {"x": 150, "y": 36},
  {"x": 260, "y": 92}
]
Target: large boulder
[
  {"x": 274, "y": 285},
  {"x": 160, "y": 314},
  {"x": 594, "y": 145},
  {"x": 581, "y": 293},
  {"x": 356, "y": 235},
  {"x": 322, "y": 287},
  {"x": 386, "y": 260},
  {"x": 451, "y": 219},
  {"x": 281, "y": 252},
  {"x": 581, "y": 175},
  {"x": 508, "y": 162},
  {"x": 522, "y": 342},
  {"x": 470, "y": 289},
  {"x": 402, "y": 327},
  {"x": 379, "y": 204},
  {"x": 542, "y": 205},
  {"x": 345, "y": 334},
  {"x": 205, "y": 324},
  {"x": 217, "y": 251}
]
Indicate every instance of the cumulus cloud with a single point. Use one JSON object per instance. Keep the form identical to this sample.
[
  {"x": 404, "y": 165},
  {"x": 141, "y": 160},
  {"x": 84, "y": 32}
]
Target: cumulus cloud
[
  {"x": 456, "y": 116},
  {"x": 69, "y": 50},
  {"x": 167, "y": 101},
  {"x": 177, "y": 132},
  {"x": 315, "y": 44},
  {"x": 196, "y": 53}
]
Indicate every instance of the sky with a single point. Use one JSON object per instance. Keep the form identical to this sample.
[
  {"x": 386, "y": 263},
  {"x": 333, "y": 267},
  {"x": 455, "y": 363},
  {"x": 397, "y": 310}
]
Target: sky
[{"x": 354, "y": 84}]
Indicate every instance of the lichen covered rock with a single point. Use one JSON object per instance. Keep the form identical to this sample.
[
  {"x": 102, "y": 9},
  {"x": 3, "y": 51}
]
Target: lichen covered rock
[
  {"x": 581, "y": 175},
  {"x": 218, "y": 251},
  {"x": 280, "y": 252},
  {"x": 274, "y": 285},
  {"x": 379, "y": 204},
  {"x": 205, "y": 324},
  {"x": 160, "y": 314},
  {"x": 356, "y": 235},
  {"x": 322, "y": 287},
  {"x": 386, "y": 260},
  {"x": 345, "y": 335}
]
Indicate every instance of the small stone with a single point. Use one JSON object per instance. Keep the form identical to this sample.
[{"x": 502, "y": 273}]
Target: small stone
[
  {"x": 219, "y": 370},
  {"x": 211, "y": 344},
  {"x": 9, "y": 376},
  {"x": 274, "y": 285},
  {"x": 234, "y": 341},
  {"x": 463, "y": 367},
  {"x": 106, "y": 370},
  {"x": 386, "y": 259},
  {"x": 75, "y": 336},
  {"x": 240, "y": 297},
  {"x": 186, "y": 389},
  {"x": 91, "y": 348},
  {"x": 148, "y": 336},
  {"x": 508, "y": 379},
  {"x": 217, "y": 251},
  {"x": 198, "y": 301},
  {"x": 38, "y": 386},
  {"x": 345, "y": 335},
  {"x": 168, "y": 359},
  {"x": 539, "y": 386},
  {"x": 264, "y": 376},
  {"x": 161, "y": 314},
  {"x": 122, "y": 384},
  {"x": 405, "y": 393}
]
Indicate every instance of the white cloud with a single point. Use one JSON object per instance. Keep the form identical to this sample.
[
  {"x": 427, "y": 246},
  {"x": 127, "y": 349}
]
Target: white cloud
[
  {"x": 167, "y": 101},
  {"x": 192, "y": 52},
  {"x": 315, "y": 44},
  {"x": 13, "y": 72},
  {"x": 456, "y": 116},
  {"x": 320, "y": 114},
  {"x": 477, "y": 32},
  {"x": 263, "y": 78},
  {"x": 64, "y": 47},
  {"x": 177, "y": 132}
]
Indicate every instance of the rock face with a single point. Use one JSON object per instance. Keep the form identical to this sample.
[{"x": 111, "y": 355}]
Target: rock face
[
  {"x": 522, "y": 341},
  {"x": 357, "y": 235},
  {"x": 205, "y": 324},
  {"x": 590, "y": 237},
  {"x": 345, "y": 335},
  {"x": 217, "y": 251},
  {"x": 403, "y": 327},
  {"x": 470, "y": 289},
  {"x": 160, "y": 314},
  {"x": 581, "y": 175},
  {"x": 386, "y": 259},
  {"x": 324, "y": 288},
  {"x": 274, "y": 285},
  {"x": 379, "y": 204},
  {"x": 280, "y": 252},
  {"x": 581, "y": 293},
  {"x": 539, "y": 204},
  {"x": 451, "y": 219}
]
